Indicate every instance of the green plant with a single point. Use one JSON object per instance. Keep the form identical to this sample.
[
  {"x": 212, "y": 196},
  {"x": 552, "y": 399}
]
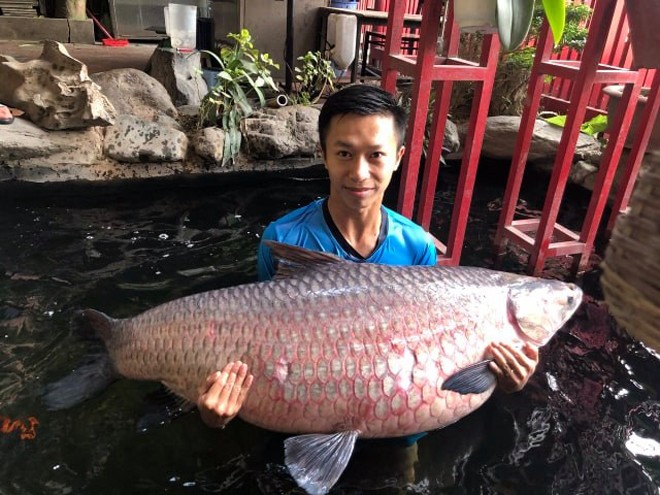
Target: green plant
[
  {"x": 514, "y": 67},
  {"x": 244, "y": 74},
  {"x": 514, "y": 19},
  {"x": 313, "y": 78}
]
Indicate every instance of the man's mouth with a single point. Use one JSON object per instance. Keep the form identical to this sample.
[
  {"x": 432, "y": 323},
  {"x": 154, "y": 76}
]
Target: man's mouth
[{"x": 359, "y": 190}]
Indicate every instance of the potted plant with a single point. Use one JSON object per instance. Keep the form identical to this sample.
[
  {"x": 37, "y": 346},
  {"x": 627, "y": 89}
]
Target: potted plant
[
  {"x": 313, "y": 79},
  {"x": 244, "y": 74},
  {"x": 511, "y": 18}
]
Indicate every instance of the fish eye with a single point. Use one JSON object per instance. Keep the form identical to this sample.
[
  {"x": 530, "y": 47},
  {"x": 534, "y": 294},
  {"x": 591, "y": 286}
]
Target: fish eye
[{"x": 571, "y": 299}]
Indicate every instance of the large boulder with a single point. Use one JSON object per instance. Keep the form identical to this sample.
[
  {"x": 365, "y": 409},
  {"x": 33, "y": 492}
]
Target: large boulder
[
  {"x": 209, "y": 143},
  {"x": 23, "y": 141},
  {"x": 134, "y": 140},
  {"x": 279, "y": 132},
  {"x": 502, "y": 132},
  {"x": 54, "y": 91},
  {"x": 134, "y": 92},
  {"x": 180, "y": 74}
]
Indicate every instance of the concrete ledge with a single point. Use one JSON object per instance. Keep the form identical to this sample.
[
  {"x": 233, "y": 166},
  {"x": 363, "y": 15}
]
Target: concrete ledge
[
  {"x": 41, "y": 28},
  {"x": 108, "y": 170}
]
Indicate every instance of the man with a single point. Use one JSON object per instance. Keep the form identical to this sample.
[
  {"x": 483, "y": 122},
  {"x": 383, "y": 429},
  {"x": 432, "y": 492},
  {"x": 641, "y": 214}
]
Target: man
[{"x": 361, "y": 131}]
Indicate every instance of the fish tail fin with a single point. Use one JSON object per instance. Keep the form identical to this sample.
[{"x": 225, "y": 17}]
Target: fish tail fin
[{"x": 94, "y": 374}]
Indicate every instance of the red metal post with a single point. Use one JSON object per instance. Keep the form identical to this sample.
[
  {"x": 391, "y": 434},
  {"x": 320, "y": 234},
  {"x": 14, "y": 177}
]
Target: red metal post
[
  {"x": 421, "y": 91},
  {"x": 608, "y": 164},
  {"x": 429, "y": 69},
  {"x": 549, "y": 238},
  {"x": 472, "y": 151},
  {"x": 395, "y": 13},
  {"x": 641, "y": 141},
  {"x": 524, "y": 139}
]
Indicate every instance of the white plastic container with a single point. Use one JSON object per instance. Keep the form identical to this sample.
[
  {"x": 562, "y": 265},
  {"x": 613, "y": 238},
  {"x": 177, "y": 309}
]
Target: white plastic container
[
  {"x": 182, "y": 25},
  {"x": 342, "y": 33},
  {"x": 166, "y": 13}
]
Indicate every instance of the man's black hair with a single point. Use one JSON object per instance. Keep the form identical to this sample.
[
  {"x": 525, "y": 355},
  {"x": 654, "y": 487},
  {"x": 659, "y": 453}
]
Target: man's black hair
[{"x": 361, "y": 99}]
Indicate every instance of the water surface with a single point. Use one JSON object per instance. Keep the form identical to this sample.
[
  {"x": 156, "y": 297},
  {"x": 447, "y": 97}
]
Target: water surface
[{"x": 588, "y": 422}]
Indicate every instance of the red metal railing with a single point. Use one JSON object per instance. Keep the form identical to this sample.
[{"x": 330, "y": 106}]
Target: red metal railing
[{"x": 617, "y": 53}]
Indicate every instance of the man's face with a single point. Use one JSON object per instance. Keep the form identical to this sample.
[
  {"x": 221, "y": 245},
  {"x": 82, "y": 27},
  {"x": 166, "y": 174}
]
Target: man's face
[{"x": 361, "y": 154}]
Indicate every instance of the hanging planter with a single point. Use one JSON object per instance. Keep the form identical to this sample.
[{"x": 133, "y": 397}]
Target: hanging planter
[
  {"x": 643, "y": 18},
  {"x": 511, "y": 18}
]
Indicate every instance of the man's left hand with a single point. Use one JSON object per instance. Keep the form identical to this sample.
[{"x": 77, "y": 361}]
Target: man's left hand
[{"x": 512, "y": 366}]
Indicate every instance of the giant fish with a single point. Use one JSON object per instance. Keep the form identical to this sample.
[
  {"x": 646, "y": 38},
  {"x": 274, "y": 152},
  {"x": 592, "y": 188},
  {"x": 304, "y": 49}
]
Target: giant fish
[{"x": 338, "y": 350}]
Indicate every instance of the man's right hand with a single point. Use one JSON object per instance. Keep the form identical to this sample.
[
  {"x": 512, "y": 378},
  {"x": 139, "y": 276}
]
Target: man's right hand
[{"x": 223, "y": 394}]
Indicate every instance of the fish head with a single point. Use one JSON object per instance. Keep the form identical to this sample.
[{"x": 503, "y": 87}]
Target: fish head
[{"x": 539, "y": 307}]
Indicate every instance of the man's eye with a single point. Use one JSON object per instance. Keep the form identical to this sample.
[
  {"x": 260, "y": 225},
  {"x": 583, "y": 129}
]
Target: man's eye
[
  {"x": 343, "y": 154},
  {"x": 378, "y": 154}
]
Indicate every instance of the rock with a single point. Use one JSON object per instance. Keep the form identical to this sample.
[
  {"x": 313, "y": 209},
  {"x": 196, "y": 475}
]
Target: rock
[
  {"x": 502, "y": 132},
  {"x": 54, "y": 91},
  {"x": 209, "y": 143},
  {"x": 135, "y": 140},
  {"x": 133, "y": 92},
  {"x": 451, "y": 140},
  {"x": 180, "y": 74},
  {"x": 188, "y": 117},
  {"x": 25, "y": 142},
  {"x": 280, "y": 132}
]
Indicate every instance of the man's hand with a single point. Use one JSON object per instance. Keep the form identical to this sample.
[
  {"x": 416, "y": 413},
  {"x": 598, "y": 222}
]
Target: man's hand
[
  {"x": 223, "y": 394},
  {"x": 511, "y": 366}
]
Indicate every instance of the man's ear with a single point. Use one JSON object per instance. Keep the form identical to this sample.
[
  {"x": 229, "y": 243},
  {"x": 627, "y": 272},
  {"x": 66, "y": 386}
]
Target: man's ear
[{"x": 399, "y": 155}]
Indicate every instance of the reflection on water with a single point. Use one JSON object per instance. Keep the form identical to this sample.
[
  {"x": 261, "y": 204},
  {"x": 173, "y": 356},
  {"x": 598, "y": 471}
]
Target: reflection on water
[{"x": 588, "y": 422}]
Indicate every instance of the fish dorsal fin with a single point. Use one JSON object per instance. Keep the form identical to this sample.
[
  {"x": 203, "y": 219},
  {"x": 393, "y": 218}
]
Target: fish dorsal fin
[
  {"x": 293, "y": 259},
  {"x": 316, "y": 461},
  {"x": 473, "y": 379}
]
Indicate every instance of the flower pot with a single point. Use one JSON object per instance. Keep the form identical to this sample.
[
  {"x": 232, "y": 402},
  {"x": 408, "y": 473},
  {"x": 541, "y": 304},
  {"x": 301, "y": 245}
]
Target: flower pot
[
  {"x": 476, "y": 15},
  {"x": 643, "y": 18},
  {"x": 615, "y": 92}
]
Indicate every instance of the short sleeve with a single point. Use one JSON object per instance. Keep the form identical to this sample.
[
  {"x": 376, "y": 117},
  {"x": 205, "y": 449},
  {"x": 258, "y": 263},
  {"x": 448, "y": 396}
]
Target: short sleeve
[
  {"x": 265, "y": 262},
  {"x": 429, "y": 255}
]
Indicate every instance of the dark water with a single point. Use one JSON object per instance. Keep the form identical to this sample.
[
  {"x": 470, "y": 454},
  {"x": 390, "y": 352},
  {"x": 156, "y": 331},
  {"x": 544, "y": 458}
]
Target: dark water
[{"x": 587, "y": 423}]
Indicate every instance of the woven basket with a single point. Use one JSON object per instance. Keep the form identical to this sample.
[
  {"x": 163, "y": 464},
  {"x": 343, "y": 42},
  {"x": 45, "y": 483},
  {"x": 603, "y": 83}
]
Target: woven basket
[{"x": 631, "y": 269}]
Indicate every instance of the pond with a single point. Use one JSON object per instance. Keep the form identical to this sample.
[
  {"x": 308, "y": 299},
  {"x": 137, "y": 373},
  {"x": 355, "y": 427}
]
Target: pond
[{"x": 588, "y": 421}]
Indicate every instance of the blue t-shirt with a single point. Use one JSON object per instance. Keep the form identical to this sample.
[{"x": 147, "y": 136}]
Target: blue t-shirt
[{"x": 401, "y": 241}]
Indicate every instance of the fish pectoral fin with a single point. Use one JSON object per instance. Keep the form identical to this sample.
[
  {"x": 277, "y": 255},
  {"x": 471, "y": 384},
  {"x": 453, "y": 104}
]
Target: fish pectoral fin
[
  {"x": 162, "y": 407},
  {"x": 316, "y": 461},
  {"x": 474, "y": 379}
]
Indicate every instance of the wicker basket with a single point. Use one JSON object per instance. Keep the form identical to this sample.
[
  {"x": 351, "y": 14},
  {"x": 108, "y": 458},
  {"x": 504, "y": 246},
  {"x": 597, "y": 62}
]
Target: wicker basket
[{"x": 631, "y": 269}]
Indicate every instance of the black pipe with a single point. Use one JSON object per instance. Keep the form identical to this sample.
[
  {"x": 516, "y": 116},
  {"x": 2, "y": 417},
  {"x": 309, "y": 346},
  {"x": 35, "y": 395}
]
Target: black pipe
[{"x": 288, "y": 56}]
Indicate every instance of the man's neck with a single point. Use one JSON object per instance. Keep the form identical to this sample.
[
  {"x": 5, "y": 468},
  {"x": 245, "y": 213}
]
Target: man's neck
[{"x": 359, "y": 228}]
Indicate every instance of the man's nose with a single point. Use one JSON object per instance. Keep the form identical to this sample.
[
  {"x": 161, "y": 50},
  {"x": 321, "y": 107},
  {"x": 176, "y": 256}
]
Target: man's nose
[{"x": 360, "y": 168}]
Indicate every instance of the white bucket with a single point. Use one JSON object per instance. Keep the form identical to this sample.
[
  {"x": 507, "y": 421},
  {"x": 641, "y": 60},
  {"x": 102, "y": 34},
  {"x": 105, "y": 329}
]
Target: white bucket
[
  {"x": 342, "y": 33},
  {"x": 182, "y": 25}
]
